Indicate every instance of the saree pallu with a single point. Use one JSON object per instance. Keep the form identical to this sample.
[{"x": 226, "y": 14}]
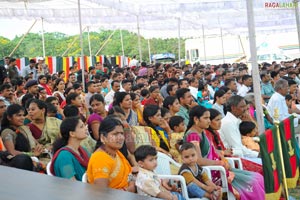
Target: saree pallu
[
  {"x": 49, "y": 133},
  {"x": 247, "y": 164},
  {"x": 116, "y": 170},
  {"x": 250, "y": 185}
]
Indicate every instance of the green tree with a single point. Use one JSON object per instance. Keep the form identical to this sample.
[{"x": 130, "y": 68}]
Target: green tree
[{"x": 57, "y": 43}]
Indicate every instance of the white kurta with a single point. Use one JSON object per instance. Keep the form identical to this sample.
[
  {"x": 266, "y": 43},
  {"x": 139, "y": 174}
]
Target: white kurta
[{"x": 231, "y": 136}]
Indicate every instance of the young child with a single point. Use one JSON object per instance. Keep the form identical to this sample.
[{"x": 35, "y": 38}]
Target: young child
[
  {"x": 203, "y": 95},
  {"x": 248, "y": 130},
  {"x": 147, "y": 182},
  {"x": 289, "y": 102},
  {"x": 51, "y": 110},
  {"x": 198, "y": 183},
  {"x": 177, "y": 125}
]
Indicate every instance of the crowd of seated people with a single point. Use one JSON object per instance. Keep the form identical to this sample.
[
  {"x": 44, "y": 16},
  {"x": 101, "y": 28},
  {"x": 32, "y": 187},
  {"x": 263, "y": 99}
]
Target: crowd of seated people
[{"x": 114, "y": 129}]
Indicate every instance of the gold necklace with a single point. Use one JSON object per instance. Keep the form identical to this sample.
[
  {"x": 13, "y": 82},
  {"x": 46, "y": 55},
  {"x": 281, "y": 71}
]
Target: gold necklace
[{"x": 110, "y": 154}]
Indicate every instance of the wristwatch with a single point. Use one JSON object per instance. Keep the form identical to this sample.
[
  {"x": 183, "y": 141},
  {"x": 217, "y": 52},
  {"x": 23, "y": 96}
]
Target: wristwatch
[{"x": 131, "y": 178}]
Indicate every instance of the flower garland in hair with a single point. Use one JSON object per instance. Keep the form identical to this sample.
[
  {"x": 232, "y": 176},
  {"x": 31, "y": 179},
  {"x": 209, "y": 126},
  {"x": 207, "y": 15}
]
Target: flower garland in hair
[{"x": 17, "y": 131}]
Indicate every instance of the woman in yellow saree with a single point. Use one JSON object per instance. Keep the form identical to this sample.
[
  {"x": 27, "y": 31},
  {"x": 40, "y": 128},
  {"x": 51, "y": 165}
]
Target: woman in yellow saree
[{"x": 107, "y": 166}]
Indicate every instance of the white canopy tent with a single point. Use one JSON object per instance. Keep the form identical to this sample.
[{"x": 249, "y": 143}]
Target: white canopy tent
[
  {"x": 157, "y": 19},
  {"x": 165, "y": 19}
]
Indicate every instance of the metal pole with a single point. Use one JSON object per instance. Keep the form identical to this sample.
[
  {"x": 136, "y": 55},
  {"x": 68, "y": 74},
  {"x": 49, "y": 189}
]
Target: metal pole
[
  {"x": 179, "y": 45},
  {"x": 255, "y": 71},
  {"x": 81, "y": 46},
  {"x": 21, "y": 40},
  {"x": 204, "y": 48},
  {"x": 89, "y": 41},
  {"x": 276, "y": 122},
  {"x": 222, "y": 42},
  {"x": 139, "y": 38},
  {"x": 106, "y": 41},
  {"x": 90, "y": 47},
  {"x": 43, "y": 39},
  {"x": 69, "y": 46},
  {"x": 149, "y": 50},
  {"x": 242, "y": 46},
  {"x": 297, "y": 21},
  {"x": 122, "y": 44}
]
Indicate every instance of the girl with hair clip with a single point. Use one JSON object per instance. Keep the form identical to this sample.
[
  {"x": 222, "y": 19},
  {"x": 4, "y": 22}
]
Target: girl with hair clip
[{"x": 70, "y": 160}]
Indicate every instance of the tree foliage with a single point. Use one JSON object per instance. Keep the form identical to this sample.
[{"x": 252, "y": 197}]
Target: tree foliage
[{"x": 57, "y": 43}]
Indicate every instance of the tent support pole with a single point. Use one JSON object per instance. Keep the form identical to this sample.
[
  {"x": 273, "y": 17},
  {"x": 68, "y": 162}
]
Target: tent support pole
[
  {"x": 255, "y": 71},
  {"x": 179, "y": 45},
  {"x": 139, "y": 38},
  {"x": 122, "y": 44},
  {"x": 204, "y": 47},
  {"x": 106, "y": 41},
  {"x": 81, "y": 46},
  {"x": 297, "y": 21},
  {"x": 222, "y": 43},
  {"x": 149, "y": 50},
  {"x": 43, "y": 39},
  {"x": 21, "y": 40},
  {"x": 70, "y": 46},
  {"x": 89, "y": 41}
]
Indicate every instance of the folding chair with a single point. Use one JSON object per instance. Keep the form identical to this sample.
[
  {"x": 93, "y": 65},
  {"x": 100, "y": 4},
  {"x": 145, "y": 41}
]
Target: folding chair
[
  {"x": 84, "y": 178},
  {"x": 164, "y": 172},
  {"x": 48, "y": 169}
]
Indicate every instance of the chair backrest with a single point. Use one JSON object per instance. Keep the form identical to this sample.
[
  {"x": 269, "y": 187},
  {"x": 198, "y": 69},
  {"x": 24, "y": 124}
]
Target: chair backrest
[
  {"x": 48, "y": 169},
  {"x": 84, "y": 178},
  {"x": 163, "y": 164}
]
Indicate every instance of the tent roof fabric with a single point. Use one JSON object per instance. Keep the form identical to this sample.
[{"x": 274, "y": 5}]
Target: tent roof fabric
[{"x": 158, "y": 18}]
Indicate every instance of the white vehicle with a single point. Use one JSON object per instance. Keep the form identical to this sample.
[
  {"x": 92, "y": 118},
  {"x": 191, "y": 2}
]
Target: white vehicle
[
  {"x": 270, "y": 57},
  {"x": 214, "y": 54},
  {"x": 266, "y": 52},
  {"x": 235, "y": 49}
]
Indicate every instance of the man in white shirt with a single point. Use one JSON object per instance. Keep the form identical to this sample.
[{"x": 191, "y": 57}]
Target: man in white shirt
[
  {"x": 246, "y": 87},
  {"x": 30, "y": 69},
  {"x": 91, "y": 86},
  {"x": 277, "y": 101},
  {"x": 115, "y": 87},
  {"x": 133, "y": 62},
  {"x": 230, "y": 133},
  {"x": 194, "y": 83},
  {"x": 126, "y": 86},
  {"x": 6, "y": 62}
]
